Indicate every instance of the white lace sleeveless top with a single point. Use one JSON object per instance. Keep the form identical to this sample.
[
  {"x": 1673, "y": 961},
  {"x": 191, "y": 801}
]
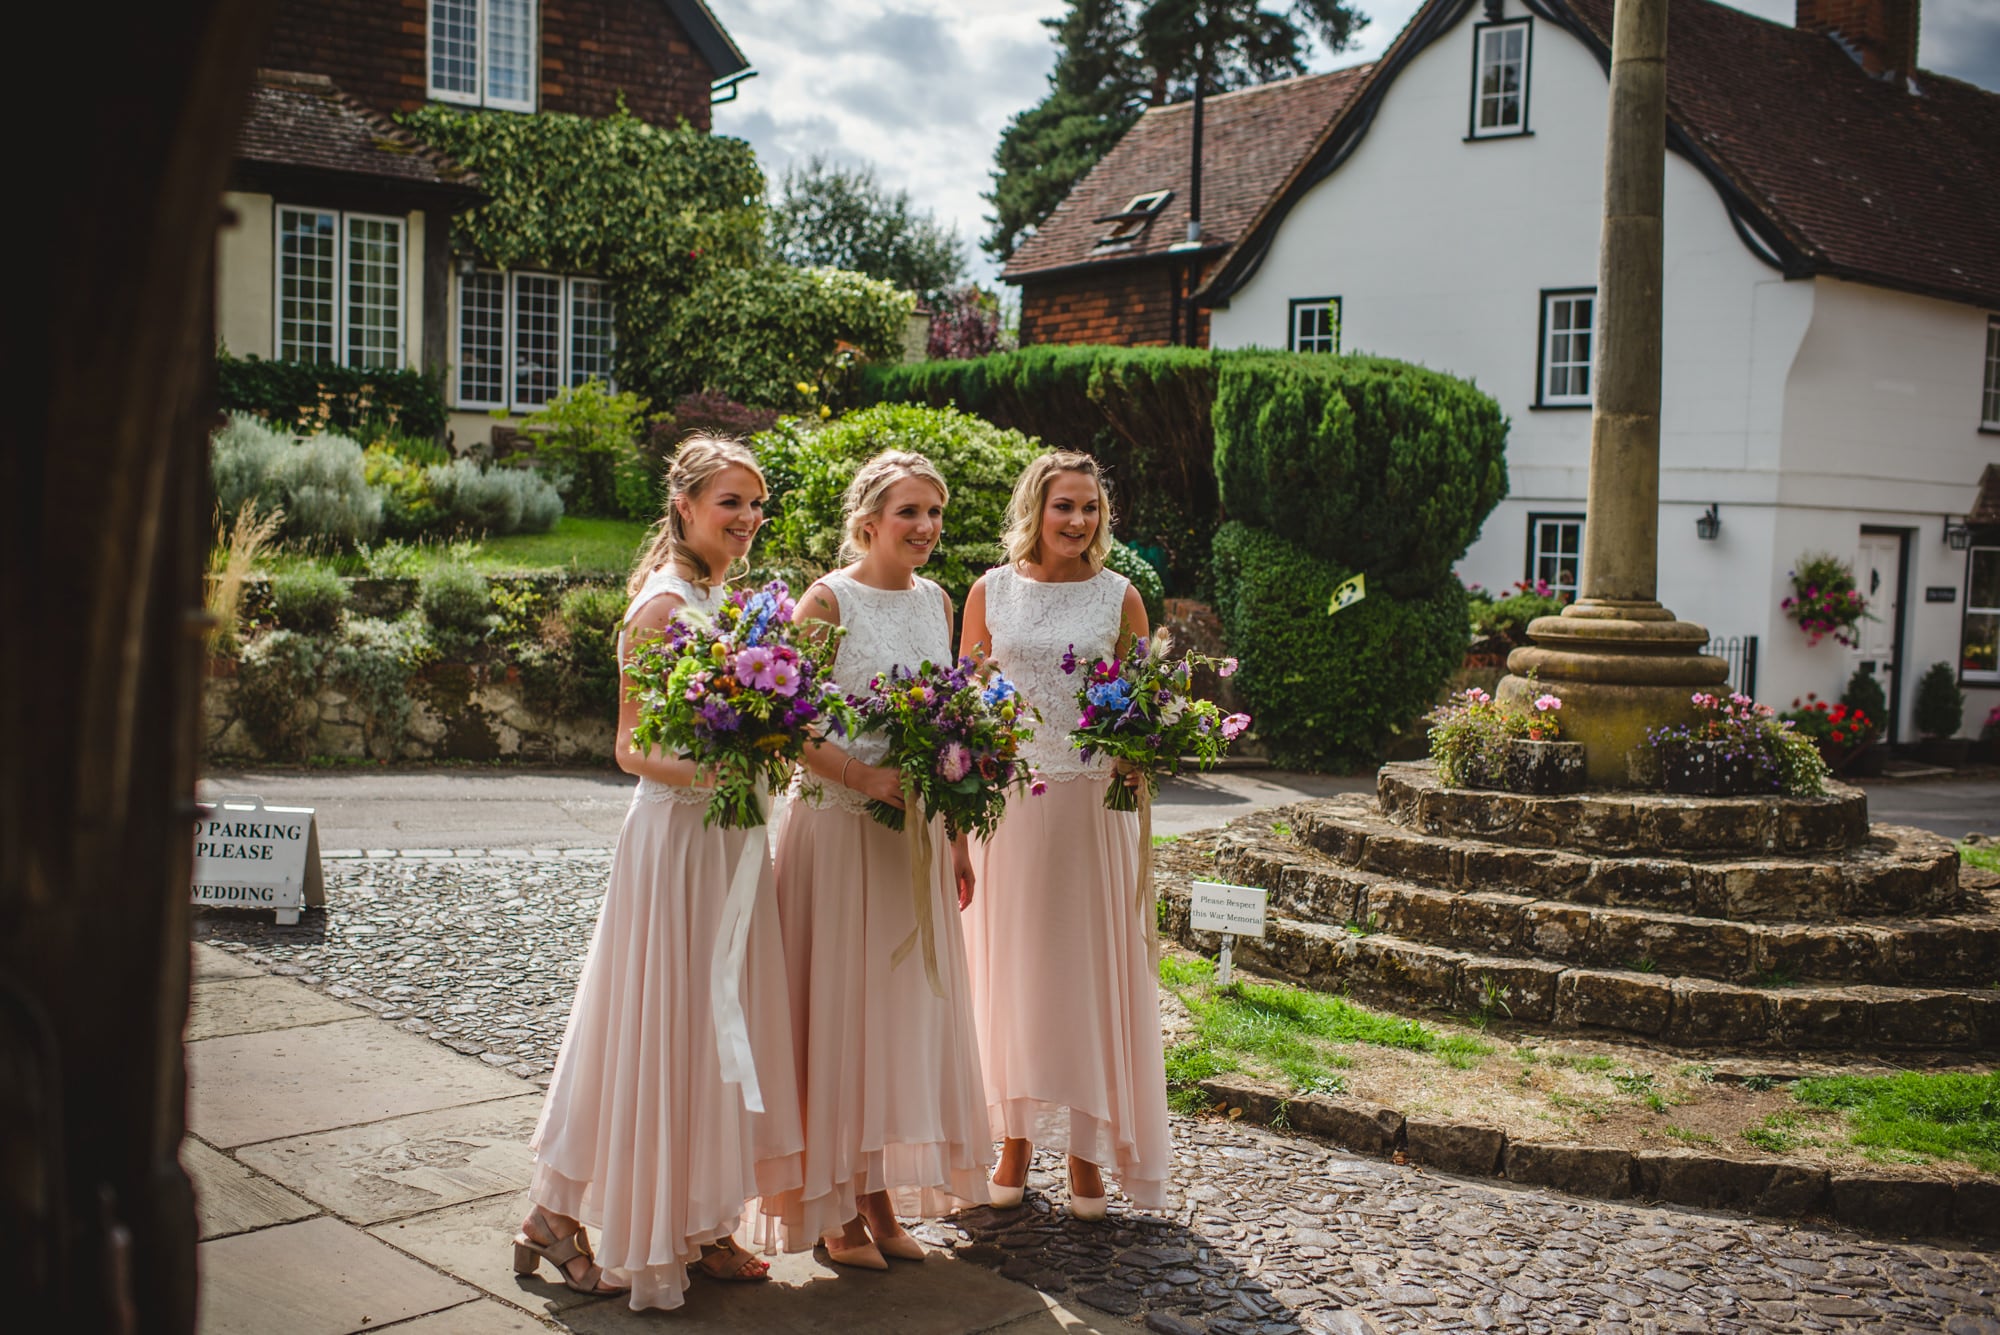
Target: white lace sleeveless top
[
  {"x": 1033, "y": 624},
  {"x": 886, "y": 628},
  {"x": 693, "y": 598}
]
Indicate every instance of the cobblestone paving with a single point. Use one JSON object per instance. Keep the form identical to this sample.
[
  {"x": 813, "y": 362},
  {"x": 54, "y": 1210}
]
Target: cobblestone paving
[{"x": 1267, "y": 1235}]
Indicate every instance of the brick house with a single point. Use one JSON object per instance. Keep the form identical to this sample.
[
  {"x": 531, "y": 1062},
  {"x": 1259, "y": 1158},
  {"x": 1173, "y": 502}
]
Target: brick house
[
  {"x": 1113, "y": 263},
  {"x": 338, "y": 245}
]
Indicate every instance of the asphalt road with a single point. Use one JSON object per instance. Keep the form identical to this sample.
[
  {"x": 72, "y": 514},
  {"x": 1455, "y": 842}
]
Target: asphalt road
[
  {"x": 454, "y": 808},
  {"x": 450, "y": 808}
]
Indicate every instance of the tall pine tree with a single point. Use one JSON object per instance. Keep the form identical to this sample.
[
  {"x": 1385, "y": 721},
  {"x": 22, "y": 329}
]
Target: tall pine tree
[{"x": 1115, "y": 58}]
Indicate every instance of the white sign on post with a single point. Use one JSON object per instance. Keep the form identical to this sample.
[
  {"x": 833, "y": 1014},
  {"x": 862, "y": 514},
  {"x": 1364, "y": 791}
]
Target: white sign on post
[
  {"x": 251, "y": 856},
  {"x": 1233, "y": 910}
]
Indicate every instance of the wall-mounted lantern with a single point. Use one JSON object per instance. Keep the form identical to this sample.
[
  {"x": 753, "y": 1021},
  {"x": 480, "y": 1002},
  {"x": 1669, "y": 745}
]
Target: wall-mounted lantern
[
  {"x": 1957, "y": 534},
  {"x": 1708, "y": 524}
]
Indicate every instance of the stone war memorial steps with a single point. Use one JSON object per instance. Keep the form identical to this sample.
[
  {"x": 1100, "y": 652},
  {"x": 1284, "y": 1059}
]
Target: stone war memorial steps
[{"x": 1777, "y": 924}]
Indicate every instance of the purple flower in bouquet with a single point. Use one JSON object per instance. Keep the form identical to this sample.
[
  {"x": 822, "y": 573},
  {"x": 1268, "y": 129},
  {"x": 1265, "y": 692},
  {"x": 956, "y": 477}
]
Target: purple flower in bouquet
[
  {"x": 1069, "y": 660},
  {"x": 719, "y": 715}
]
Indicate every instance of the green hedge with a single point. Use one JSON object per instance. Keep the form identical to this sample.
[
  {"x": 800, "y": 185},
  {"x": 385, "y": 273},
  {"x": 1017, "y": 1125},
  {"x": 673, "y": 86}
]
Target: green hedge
[
  {"x": 1373, "y": 464},
  {"x": 1144, "y": 412},
  {"x": 810, "y": 465},
  {"x": 293, "y": 395},
  {"x": 1330, "y": 691}
]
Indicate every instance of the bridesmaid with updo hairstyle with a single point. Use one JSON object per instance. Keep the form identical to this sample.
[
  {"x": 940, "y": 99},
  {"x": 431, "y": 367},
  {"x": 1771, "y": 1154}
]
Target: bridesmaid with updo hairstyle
[
  {"x": 1063, "y": 983},
  {"x": 893, "y": 1112}
]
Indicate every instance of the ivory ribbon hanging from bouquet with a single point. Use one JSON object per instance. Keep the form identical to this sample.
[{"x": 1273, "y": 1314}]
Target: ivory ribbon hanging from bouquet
[
  {"x": 917, "y": 829},
  {"x": 725, "y": 969},
  {"x": 1149, "y": 898}
]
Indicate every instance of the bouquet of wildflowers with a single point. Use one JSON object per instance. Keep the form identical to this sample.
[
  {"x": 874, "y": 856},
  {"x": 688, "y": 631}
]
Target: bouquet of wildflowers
[
  {"x": 1139, "y": 709},
  {"x": 736, "y": 693},
  {"x": 957, "y": 738}
]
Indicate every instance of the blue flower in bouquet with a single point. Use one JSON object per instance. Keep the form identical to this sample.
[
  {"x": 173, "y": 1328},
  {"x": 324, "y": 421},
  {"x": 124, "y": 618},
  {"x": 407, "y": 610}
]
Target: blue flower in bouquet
[
  {"x": 1114, "y": 694},
  {"x": 997, "y": 690}
]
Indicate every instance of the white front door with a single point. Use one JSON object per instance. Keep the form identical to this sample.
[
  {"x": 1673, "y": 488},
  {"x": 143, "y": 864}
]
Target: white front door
[{"x": 1878, "y": 570}]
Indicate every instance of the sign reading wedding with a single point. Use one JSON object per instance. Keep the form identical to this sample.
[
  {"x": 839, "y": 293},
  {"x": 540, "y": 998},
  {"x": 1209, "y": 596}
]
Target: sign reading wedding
[{"x": 251, "y": 856}]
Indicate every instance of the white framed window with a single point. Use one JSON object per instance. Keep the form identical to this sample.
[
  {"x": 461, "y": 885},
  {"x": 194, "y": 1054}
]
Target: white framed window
[
  {"x": 339, "y": 287},
  {"x": 1500, "y": 54},
  {"x": 1568, "y": 325},
  {"x": 1555, "y": 553},
  {"x": 1315, "y": 325},
  {"x": 482, "y": 52},
  {"x": 1979, "y": 641},
  {"x": 1989, "y": 404},
  {"x": 522, "y": 336}
]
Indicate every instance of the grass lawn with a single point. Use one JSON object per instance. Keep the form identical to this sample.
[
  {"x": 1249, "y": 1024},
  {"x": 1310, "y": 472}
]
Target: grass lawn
[
  {"x": 1986, "y": 857},
  {"x": 1913, "y": 1118},
  {"x": 1284, "y": 1032},
  {"x": 606, "y": 547},
  {"x": 588, "y": 546}
]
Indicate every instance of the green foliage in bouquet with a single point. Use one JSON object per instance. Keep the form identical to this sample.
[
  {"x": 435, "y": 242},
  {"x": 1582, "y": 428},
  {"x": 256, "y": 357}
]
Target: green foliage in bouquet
[{"x": 1330, "y": 691}]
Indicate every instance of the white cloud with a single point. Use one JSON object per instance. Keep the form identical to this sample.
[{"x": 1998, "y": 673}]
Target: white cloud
[{"x": 921, "y": 91}]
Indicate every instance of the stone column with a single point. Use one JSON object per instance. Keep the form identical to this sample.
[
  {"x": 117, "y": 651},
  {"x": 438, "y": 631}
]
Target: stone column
[{"x": 1620, "y": 661}]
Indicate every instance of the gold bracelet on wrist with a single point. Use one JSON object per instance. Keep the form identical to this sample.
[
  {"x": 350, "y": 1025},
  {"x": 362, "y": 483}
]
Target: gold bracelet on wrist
[{"x": 843, "y": 770}]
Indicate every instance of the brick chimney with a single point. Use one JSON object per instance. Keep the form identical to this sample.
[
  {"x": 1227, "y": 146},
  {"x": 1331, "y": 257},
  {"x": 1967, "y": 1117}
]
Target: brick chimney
[{"x": 1880, "y": 34}]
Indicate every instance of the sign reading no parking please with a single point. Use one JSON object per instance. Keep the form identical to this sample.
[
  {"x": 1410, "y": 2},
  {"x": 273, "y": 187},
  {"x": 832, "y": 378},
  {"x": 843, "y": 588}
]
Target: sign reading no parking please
[{"x": 251, "y": 856}]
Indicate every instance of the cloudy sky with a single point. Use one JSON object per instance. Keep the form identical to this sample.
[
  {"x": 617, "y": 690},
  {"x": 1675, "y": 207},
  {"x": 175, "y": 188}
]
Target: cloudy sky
[{"x": 920, "y": 89}]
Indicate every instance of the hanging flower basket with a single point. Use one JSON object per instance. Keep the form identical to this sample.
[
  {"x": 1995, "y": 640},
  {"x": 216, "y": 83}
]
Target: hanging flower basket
[{"x": 1825, "y": 601}]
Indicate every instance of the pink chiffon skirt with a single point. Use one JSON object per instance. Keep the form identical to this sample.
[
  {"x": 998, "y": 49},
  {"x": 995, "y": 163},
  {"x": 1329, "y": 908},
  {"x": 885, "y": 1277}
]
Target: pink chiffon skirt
[
  {"x": 1064, "y": 989},
  {"x": 887, "y": 1071},
  {"x": 640, "y": 1138}
]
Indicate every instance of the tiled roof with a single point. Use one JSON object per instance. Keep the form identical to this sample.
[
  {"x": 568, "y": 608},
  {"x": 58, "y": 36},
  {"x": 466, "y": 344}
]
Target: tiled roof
[
  {"x": 1869, "y": 180},
  {"x": 1252, "y": 140},
  {"x": 1837, "y": 171},
  {"x": 305, "y": 121}
]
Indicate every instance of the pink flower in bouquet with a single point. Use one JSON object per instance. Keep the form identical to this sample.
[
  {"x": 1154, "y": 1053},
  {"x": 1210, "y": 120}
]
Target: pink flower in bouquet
[
  {"x": 1546, "y": 702},
  {"x": 753, "y": 668},
  {"x": 1228, "y": 668},
  {"x": 1234, "y": 725},
  {"x": 954, "y": 762},
  {"x": 1037, "y": 786},
  {"x": 785, "y": 677}
]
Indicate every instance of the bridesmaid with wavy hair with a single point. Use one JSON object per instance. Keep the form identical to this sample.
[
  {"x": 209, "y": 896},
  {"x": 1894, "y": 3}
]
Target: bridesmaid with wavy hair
[
  {"x": 1063, "y": 982},
  {"x": 642, "y": 1136},
  {"x": 887, "y": 1068}
]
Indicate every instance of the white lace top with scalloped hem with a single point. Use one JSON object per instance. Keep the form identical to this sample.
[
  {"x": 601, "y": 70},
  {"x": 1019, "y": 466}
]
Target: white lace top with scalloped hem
[
  {"x": 884, "y": 629},
  {"x": 1032, "y": 624}
]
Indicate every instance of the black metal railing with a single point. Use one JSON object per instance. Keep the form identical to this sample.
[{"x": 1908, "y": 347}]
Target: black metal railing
[{"x": 1741, "y": 653}]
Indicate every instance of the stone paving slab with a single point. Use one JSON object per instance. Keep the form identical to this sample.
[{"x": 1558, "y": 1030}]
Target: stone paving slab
[
  {"x": 408, "y": 1165},
  {"x": 484, "y": 1317},
  {"x": 471, "y": 1241},
  {"x": 210, "y": 964},
  {"x": 252, "y": 1087},
  {"x": 229, "y": 1198},
  {"x": 251, "y": 1005},
  {"x": 320, "y": 1277}
]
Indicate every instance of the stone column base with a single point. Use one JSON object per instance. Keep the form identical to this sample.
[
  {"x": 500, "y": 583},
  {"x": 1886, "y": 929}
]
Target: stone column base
[{"x": 1621, "y": 668}]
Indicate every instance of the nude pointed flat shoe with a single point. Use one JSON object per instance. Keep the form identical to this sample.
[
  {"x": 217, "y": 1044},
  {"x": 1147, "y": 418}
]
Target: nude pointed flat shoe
[{"x": 865, "y": 1257}]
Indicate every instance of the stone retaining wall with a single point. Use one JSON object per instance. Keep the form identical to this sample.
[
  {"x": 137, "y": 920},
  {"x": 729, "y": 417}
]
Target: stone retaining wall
[{"x": 458, "y": 711}]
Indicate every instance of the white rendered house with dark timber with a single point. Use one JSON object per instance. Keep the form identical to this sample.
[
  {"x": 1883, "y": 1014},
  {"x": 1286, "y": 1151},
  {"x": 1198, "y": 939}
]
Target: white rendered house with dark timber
[{"x": 1832, "y": 306}]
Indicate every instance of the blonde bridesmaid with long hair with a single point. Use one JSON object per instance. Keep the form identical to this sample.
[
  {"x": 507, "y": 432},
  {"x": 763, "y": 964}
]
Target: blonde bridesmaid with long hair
[
  {"x": 1063, "y": 982},
  {"x": 642, "y": 1136},
  {"x": 888, "y": 1074}
]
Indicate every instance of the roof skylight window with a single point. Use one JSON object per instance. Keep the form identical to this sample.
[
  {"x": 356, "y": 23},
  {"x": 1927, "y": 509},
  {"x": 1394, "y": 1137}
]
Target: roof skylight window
[{"x": 1132, "y": 221}]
